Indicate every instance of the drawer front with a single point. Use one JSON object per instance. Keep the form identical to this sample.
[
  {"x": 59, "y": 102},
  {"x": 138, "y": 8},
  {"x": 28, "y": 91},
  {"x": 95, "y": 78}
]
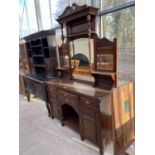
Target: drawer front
[
  {"x": 67, "y": 97},
  {"x": 89, "y": 102},
  {"x": 52, "y": 92},
  {"x": 88, "y": 112}
]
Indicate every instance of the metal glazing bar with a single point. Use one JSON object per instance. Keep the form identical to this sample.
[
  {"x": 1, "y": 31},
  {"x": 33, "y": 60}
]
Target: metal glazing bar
[
  {"x": 117, "y": 8},
  {"x": 27, "y": 17},
  {"x": 50, "y": 10},
  {"x": 70, "y": 3}
]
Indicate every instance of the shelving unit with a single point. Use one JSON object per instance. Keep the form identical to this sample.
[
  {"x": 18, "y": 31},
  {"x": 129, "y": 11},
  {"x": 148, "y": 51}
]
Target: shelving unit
[
  {"x": 42, "y": 59},
  {"x": 41, "y": 55}
]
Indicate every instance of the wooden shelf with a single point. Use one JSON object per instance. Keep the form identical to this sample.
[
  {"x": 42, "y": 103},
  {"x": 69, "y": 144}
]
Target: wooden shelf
[
  {"x": 103, "y": 73},
  {"x": 39, "y": 65},
  {"x": 35, "y": 46},
  {"x": 45, "y": 47},
  {"x": 82, "y": 34},
  {"x": 38, "y": 56},
  {"x": 63, "y": 68}
]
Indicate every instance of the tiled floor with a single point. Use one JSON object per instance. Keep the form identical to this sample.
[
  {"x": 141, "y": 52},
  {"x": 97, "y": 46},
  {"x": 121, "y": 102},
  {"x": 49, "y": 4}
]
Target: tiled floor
[{"x": 41, "y": 135}]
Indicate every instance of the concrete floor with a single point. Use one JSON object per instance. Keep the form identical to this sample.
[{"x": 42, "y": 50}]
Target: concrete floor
[{"x": 41, "y": 135}]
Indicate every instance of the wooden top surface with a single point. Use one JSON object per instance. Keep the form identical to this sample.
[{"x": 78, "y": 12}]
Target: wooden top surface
[{"x": 80, "y": 88}]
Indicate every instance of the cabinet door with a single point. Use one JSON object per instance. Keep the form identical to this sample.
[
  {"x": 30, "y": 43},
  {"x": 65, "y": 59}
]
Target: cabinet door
[
  {"x": 39, "y": 91},
  {"x": 89, "y": 123},
  {"x": 28, "y": 85},
  {"x": 89, "y": 129}
]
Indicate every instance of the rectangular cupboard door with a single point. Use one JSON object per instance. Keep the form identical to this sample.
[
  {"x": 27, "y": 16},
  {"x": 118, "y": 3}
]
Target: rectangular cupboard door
[{"x": 89, "y": 129}]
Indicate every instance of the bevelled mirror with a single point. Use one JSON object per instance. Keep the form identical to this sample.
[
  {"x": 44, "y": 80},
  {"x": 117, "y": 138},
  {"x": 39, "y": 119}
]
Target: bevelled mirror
[
  {"x": 105, "y": 62},
  {"x": 80, "y": 59},
  {"x": 80, "y": 54},
  {"x": 105, "y": 55}
]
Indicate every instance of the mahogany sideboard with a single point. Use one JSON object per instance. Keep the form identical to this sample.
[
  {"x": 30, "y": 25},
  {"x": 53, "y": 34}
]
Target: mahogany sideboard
[{"x": 101, "y": 116}]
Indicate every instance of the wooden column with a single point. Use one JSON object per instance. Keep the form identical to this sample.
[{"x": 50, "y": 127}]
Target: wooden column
[
  {"x": 73, "y": 50},
  {"x": 62, "y": 35},
  {"x": 89, "y": 36}
]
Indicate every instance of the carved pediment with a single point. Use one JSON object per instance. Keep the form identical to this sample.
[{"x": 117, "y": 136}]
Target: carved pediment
[
  {"x": 103, "y": 40},
  {"x": 71, "y": 9}
]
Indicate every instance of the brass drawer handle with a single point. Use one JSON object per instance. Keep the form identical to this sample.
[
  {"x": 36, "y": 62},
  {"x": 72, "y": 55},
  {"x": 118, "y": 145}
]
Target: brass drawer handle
[{"x": 87, "y": 102}]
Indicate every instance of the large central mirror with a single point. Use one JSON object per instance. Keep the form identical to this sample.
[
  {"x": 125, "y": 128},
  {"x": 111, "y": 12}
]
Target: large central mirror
[{"x": 80, "y": 58}]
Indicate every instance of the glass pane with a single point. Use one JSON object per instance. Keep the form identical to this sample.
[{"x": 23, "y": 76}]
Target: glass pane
[
  {"x": 21, "y": 5},
  {"x": 31, "y": 16},
  {"x": 58, "y": 7},
  {"x": 64, "y": 61},
  {"x": 105, "y": 62},
  {"x": 24, "y": 26},
  {"x": 45, "y": 14},
  {"x": 81, "y": 51},
  {"x": 121, "y": 25},
  {"x": 83, "y": 2},
  {"x": 106, "y": 4}
]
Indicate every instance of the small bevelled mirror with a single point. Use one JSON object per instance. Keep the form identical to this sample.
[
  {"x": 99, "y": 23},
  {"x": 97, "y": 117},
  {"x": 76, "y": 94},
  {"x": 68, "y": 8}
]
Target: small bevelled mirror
[
  {"x": 105, "y": 62},
  {"x": 64, "y": 61}
]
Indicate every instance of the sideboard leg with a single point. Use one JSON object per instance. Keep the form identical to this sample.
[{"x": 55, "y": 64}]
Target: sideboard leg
[
  {"x": 82, "y": 137},
  {"x": 52, "y": 116},
  {"x": 48, "y": 109},
  {"x": 101, "y": 151},
  {"x": 62, "y": 123},
  {"x": 28, "y": 96}
]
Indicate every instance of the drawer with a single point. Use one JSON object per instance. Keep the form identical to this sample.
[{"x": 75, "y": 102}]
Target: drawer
[
  {"x": 67, "y": 97},
  {"x": 89, "y": 102},
  {"x": 88, "y": 112},
  {"x": 52, "y": 91}
]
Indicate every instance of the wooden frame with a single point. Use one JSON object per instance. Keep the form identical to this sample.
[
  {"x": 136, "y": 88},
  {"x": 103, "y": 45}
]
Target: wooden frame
[
  {"x": 109, "y": 76},
  {"x": 80, "y": 23},
  {"x": 105, "y": 46}
]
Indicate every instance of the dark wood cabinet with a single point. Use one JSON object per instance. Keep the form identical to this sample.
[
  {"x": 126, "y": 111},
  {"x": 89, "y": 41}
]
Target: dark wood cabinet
[
  {"x": 41, "y": 53},
  {"x": 29, "y": 85},
  {"x": 42, "y": 59}
]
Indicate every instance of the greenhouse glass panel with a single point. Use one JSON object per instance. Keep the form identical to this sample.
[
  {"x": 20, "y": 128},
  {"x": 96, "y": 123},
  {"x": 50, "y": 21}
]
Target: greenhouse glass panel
[
  {"x": 121, "y": 25},
  {"x": 83, "y": 2},
  {"x": 32, "y": 20},
  {"x": 106, "y": 4},
  {"x": 24, "y": 31},
  {"x": 45, "y": 14},
  {"x": 58, "y": 7}
]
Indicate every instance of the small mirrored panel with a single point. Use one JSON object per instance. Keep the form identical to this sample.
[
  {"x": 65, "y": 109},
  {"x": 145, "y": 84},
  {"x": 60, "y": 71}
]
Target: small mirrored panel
[
  {"x": 105, "y": 62},
  {"x": 64, "y": 61}
]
